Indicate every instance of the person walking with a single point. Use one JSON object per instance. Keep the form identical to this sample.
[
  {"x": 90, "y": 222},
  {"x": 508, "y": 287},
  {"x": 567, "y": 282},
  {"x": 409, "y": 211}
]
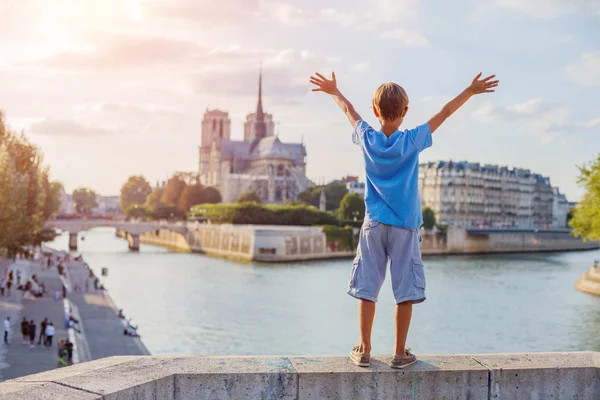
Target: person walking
[
  {"x": 25, "y": 330},
  {"x": 49, "y": 334},
  {"x": 18, "y": 277},
  {"x": 43, "y": 326},
  {"x": 2, "y": 286},
  {"x": 31, "y": 331},
  {"x": 6, "y": 329}
]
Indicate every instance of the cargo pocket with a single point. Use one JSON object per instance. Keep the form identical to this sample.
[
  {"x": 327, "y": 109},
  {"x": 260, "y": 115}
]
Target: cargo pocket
[
  {"x": 418, "y": 272},
  {"x": 353, "y": 272}
]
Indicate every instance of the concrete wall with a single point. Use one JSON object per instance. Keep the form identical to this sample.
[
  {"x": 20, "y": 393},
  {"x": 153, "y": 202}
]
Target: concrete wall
[
  {"x": 489, "y": 376},
  {"x": 272, "y": 243}
]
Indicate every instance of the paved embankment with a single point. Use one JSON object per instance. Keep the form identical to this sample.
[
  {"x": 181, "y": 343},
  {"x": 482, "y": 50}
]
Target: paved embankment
[
  {"x": 18, "y": 359},
  {"x": 476, "y": 377},
  {"x": 102, "y": 327},
  {"x": 101, "y": 332}
]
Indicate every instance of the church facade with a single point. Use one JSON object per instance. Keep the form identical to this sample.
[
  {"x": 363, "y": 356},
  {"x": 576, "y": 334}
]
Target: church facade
[{"x": 261, "y": 162}]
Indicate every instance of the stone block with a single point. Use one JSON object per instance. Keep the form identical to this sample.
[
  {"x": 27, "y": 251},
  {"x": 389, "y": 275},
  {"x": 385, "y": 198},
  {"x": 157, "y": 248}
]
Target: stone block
[
  {"x": 543, "y": 375},
  {"x": 432, "y": 377},
  {"x": 235, "y": 378},
  {"x": 13, "y": 390}
]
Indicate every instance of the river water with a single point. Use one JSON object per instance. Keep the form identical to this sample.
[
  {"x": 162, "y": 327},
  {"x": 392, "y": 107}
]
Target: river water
[{"x": 189, "y": 304}]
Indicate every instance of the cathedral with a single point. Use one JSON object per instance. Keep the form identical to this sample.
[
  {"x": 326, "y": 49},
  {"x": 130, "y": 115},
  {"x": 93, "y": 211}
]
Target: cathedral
[{"x": 261, "y": 162}]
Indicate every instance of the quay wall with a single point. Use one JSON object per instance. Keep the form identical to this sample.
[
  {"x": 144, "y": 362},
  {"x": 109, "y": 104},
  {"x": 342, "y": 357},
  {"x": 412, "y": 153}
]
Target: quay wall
[
  {"x": 573, "y": 375},
  {"x": 271, "y": 243}
]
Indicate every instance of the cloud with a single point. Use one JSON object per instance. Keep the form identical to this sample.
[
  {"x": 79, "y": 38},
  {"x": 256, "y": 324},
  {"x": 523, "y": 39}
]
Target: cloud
[
  {"x": 404, "y": 36},
  {"x": 361, "y": 67},
  {"x": 285, "y": 72},
  {"x": 538, "y": 116},
  {"x": 205, "y": 12},
  {"x": 116, "y": 51},
  {"x": 543, "y": 9},
  {"x": 61, "y": 127},
  {"x": 586, "y": 70}
]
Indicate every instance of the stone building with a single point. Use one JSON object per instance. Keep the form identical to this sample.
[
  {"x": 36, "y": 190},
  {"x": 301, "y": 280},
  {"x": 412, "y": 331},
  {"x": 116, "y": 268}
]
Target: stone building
[
  {"x": 464, "y": 194},
  {"x": 261, "y": 162},
  {"x": 560, "y": 209}
]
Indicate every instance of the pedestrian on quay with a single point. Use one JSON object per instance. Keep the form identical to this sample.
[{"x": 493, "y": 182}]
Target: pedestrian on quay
[
  {"x": 9, "y": 286},
  {"x": 18, "y": 277},
  {"x": 31, "y": 331},
  {"x": 43, "y": 326},
  {"x": 6, "y": 329},
  {"x": 25, "y": 330},
  {"x": 2, "y": 286},
  {"x": 49, "y": 334}
]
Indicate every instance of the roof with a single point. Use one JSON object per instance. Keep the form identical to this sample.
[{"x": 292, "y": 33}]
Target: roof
[{"x": 271, "y": 146}]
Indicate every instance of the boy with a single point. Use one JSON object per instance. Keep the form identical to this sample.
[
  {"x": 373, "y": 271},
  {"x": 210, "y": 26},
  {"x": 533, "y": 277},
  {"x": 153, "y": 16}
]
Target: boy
[{"x": 393, "y": 209}]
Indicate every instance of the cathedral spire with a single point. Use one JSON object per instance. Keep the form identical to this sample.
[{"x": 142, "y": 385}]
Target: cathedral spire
[{"x": 260, "y": 126}]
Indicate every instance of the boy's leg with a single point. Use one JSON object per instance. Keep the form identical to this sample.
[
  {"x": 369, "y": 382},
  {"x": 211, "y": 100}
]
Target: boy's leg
[
  {"x": 366, "y": 314},
  {"x": 403, "y": 316}
]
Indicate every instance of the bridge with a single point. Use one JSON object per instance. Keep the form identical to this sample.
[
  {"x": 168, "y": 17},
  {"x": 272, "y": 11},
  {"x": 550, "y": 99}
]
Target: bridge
[{"x": 133, "y": 228}]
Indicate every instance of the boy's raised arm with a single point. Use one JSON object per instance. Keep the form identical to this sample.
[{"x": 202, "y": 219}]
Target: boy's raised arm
[
  {"x": 477, "y": 86},
  {"x": 329, "y": 86}
]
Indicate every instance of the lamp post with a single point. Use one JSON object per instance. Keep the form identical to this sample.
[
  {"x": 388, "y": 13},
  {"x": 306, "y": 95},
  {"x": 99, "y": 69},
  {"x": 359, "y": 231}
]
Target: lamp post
[{"x": 355, "y": 214}]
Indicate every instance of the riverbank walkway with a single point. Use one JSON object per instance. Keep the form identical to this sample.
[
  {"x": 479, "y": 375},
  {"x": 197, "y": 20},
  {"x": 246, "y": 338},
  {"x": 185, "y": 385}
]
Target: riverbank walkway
[
  {"x": 101, "y": 328},
  {"x": 18, "y": 359}
]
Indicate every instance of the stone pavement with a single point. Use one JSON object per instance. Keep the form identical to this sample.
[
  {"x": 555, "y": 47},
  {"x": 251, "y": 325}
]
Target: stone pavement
[
  {"x": 18, "y": 359},
  {"x": 102, "y": 328}
]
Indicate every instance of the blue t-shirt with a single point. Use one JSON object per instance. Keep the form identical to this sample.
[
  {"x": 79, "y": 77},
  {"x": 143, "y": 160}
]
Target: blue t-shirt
[{"x": 392, "y": 165}]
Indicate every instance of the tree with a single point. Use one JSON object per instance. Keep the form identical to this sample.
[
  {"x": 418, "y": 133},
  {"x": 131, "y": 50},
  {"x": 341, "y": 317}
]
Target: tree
[
  {"x": 25, "y": 189},
  {"x": 334, "y": 193},
  {"x": 428, "y": 218},
  {"x": 191, "y": 195},
  {"x": 56, "y": 196},
  {"x": 250, "y": 197},
  {"x": 586, "y": 216},
  {"x": 352, "y": 206},
  {"x": 85, "y": 200},
  {"x": 134, "y": 191},
  {"x": 211, "y": 195},
  {"x": 135, "y": 210},
  {"x": 172, "y": 191}
]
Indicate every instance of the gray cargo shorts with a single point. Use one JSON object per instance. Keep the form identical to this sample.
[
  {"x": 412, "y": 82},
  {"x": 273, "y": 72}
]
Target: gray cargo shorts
[{"x": 378, "y": 243}]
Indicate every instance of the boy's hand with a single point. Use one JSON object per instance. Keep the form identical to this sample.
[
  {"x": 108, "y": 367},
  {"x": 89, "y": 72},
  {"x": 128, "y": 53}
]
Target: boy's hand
[
  {"x": 485, "y": 85},
  {"x": 324, "y": 84},
  {"x": 329, "y": 86}
]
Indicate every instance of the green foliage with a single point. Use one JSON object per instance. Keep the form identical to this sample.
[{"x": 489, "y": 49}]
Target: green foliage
[
  {"x": 250, "y": 197},
  {"x": 334, "y": 193},
  {"x": 85, "y": 200},
  {"x": 172, "y": 191},
  {"x": 340, "y": 238},
  {"x": 26, "y": 195},
  {"x": 428, "y": 218},
  {"x": 191, "y": 195},
  {"x": 254, "y": 213},
  {"x": 134, "y": 191},
  {"x": 136, "y": 211},
  {"x": 211, "y": 195},
  {"x": 352, "y": 206},
  {"x": 586, "y": 217}
]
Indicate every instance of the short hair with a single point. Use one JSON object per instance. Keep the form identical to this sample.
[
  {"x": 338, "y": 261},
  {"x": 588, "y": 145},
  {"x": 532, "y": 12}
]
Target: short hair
[{"x": 390, "y": 100}]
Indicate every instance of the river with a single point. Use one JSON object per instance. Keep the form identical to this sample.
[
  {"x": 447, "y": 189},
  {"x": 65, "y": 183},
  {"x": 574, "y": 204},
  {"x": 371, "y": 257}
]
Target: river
[{"x": 190, "y": 304}]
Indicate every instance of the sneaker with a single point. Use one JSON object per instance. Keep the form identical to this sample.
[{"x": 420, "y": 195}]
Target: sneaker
[
  {"x": 403, "y": 361},
  {"x": 360, "y": 359}
]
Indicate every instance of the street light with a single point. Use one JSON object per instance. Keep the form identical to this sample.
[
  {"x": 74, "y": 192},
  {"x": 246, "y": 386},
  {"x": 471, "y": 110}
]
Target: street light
[{"x": 355, "y": 214}]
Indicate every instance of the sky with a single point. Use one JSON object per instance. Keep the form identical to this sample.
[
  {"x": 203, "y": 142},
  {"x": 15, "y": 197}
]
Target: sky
[{"x": 115, "y": 88}]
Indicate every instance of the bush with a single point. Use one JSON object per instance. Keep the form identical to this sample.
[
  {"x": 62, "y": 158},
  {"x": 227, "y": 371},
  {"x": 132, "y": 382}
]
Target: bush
[
  {"x": 343, "y": 237},
  {"x": 258, "y": 214}
]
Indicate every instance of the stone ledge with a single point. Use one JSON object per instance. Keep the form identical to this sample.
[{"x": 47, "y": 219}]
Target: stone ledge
[{"x": 497, "y": 376}]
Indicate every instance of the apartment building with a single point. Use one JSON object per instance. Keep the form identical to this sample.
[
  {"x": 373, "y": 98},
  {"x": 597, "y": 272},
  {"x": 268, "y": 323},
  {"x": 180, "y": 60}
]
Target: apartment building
[{"x": 465, "y": 194}]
